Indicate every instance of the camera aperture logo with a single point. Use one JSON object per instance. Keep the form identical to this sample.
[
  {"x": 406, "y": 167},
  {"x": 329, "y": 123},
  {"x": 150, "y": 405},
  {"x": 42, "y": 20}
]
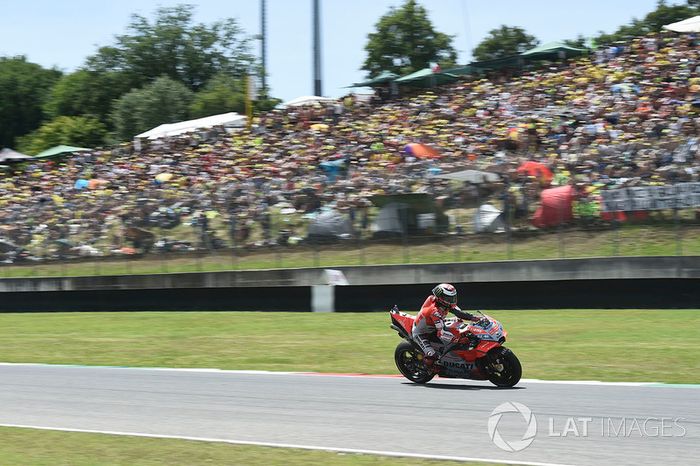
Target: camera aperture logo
[{"x": 530, "y": 431}]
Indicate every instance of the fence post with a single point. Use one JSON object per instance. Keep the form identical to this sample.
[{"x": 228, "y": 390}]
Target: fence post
[
  {"x": 616, "y": 239},
  {"x": 679, "y": 239}
]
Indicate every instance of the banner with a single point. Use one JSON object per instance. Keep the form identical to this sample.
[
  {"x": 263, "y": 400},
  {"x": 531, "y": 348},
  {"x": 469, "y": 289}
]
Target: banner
[{"x": 677, "y": 196}]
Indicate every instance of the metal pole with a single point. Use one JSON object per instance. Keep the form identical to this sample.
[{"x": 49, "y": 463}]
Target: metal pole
[
  {"x": 317, "y": 47},
  {"x": 263, "y": 43}
]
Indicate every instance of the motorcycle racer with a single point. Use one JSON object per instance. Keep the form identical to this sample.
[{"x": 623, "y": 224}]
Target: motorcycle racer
[{"x": 430, "y": 320}]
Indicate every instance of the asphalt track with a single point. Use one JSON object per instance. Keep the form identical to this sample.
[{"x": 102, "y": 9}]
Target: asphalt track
[{"x": 445, "y": 418}]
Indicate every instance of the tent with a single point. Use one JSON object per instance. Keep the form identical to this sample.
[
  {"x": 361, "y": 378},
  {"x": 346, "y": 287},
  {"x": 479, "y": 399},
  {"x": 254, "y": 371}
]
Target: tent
[
  {"x": 382, "y": 78},
  {"x": 227, "y": 120},
  {"x": 60, "y": 150},
  {"x": 687, "y": 25},
  {"x": 552, "y": 51},
  {"x": 471, "y": 176},
  {"x": 555, "y": 207},
  {"x": 329, "y": 225},
  {"x": 401, "y": 214},
  {"x": 426, "y": 78},
  {"x": 308, "y": 100},
  {"x": 489, "y": 219},
  {"x": 9, "y": 156}
]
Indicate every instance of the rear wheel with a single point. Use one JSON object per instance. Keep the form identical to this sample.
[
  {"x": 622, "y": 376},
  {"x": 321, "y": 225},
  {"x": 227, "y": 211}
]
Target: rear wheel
[
  {"x": 503, "y": 367},
  {"x": 409, "y": 361}
]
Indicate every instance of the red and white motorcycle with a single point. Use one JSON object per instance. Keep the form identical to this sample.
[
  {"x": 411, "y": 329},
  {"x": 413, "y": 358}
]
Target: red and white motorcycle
[{"x": 468, "y": 351}]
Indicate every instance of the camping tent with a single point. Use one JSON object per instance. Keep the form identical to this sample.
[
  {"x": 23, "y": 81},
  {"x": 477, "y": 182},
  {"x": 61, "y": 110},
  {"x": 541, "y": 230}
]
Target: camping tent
[
  {"x": 9, "y": 156},
  {"x": 60, "y": 150},
  {"x": 687, "y": 25},
  {"x": 555, "y": 207},
  {"x": 537, "y": 170},
  {"x": 552, "y": 51},
  {"x": 421, "y": 151},
  {"x": 308, "y": 100},
  {"x": 426, "y": 78},
  {"x": 401, "y": 214},
  {"x": 382, "y": 78},
  {"x": 329, "y": 224},
  {"x": 489, "y": 219},
  {"x": 227, "y": 120},
  {"x": 471, "y": 176}
]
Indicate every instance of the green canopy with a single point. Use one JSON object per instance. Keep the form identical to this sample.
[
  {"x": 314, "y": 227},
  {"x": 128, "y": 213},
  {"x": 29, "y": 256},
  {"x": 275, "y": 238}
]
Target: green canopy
[
  {"x": 382, "y": 78},
  {"x": 553, "y": 50},
  {"x": 58, "y": 150},
  {"x": 426, "y": 78}
]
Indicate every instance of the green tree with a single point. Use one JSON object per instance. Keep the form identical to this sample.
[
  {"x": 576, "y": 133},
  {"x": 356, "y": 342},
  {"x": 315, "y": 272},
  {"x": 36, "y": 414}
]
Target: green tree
[
  {"x": 223, "y": 93},
  {"x": 24, "y": 87},
  {"x": 174, "y": 45},
  {"x": 579, "y": 42},
  {"x": 86, "y": 93},
  {"x": 405, "y": 41},
  {"x": 503, "y": 42},
  {"x": 163, "y": 101},
  {"x": 652, "y": 22},
  {"x": 73, "y": 131}
]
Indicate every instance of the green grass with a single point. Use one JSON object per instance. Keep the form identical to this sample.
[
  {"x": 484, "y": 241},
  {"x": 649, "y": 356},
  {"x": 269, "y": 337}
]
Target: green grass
[
  {"x": 28, "y": 447},
  {"x": 631, "y": 240},
  {"x": 610, "y": 345}
]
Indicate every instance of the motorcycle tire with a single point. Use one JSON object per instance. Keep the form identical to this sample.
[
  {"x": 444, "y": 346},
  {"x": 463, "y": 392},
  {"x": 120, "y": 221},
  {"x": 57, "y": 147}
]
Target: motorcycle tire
[
  {"x": 409, "y": 361},
  {"x": 503, "y": 367}
]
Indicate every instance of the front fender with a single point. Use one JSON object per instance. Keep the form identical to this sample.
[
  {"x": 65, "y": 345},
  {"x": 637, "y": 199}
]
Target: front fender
[{"x": 486, "y": 346}]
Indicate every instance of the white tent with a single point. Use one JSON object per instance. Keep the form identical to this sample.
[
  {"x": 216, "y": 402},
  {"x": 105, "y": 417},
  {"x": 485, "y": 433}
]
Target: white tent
[
  {"x": 687, "y": 25},
  {"x": 227, "y": 120},
  {"x": 488, "y": 218},
  {"x": 307, "y": 100}
]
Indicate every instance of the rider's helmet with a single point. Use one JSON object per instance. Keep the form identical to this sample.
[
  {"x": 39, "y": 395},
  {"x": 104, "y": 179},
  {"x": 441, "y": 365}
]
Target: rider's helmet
[{"x": 445, "y": 295}]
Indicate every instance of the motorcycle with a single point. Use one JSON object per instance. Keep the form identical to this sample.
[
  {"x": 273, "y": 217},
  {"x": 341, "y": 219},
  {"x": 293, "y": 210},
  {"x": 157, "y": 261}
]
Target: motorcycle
[{"x": 468, "y": 351}]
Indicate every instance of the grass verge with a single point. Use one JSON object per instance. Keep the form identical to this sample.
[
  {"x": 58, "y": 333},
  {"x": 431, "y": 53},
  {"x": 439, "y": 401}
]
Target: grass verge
[
  {"x": 31, "y": 447},
  {"x": 609, "y": 345}
]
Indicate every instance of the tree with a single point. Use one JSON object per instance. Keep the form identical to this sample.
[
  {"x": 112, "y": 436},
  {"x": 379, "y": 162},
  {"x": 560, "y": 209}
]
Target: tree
[
  {"x": 503, "y": 42},
  {"x": 163, "y": 101},
  {"x": 86, "y": 93},
  {"x": 652, "y": 22},
  {"x": 579, "y": 42},
  {"x": 405, "y": 41},
  {"x": 221, "y": 94},
  {"x": 72, "y": 131},
  {"x": 174, "y": 46},
  {"x": 23, "y": 90}
]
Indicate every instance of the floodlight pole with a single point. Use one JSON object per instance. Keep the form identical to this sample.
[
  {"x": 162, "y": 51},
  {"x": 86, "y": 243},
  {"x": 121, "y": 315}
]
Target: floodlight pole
[
  {"x": 317, "y": 48},
  {"x": 263, "y": 40}
]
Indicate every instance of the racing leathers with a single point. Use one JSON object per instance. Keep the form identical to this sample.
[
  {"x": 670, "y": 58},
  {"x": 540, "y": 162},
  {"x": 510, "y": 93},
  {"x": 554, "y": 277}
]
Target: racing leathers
[{"x": 430, "y": 320}]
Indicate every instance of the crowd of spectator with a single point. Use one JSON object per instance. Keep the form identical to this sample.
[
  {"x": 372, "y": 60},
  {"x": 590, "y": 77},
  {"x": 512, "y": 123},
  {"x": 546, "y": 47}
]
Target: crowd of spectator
[{"x": 627, "y": 114}]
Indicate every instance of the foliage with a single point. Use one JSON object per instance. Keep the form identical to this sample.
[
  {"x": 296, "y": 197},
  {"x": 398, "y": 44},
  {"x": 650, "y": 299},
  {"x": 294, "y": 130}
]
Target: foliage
[
  {"x": 163, "y": 101},
  {"x": 86, "y": 93},
  {"x": 82, "y": 131},
  {"x": 652, "y": 22},
  {"x": 579, "y": 42},
  {"x": 405, "y": 41},
  {"x": 503, "y": 42},
  {"x": 23, "y": 90},
  {"x": 223, "y": 93},
  {"x": 174, "y": 45}
]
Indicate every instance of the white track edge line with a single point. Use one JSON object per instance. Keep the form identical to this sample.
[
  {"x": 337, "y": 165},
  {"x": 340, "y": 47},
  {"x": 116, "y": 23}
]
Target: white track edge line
[
  {"x": 287, "y": 445},
  {"x": 323, "y": 374}
]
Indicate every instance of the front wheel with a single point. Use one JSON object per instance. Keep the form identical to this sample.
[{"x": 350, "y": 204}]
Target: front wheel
[
  {"x": 409, "y": 361},
  {"x": 503, "y": 367}
]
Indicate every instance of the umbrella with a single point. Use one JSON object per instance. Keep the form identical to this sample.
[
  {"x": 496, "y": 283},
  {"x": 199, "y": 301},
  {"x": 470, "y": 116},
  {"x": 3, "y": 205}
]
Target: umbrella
[
  {"x": 536, "y": 169},
  {"x": 58, "y": 150},
  {"x": 319, "y": 127},
  {"x": 421, "y": 151},
  {"x": 163, "y": 177}
]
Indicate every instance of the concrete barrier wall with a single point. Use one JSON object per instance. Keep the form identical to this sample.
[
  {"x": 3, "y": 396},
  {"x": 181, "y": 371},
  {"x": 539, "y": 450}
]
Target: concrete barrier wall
[
  {"x": 638, "y": 282},
  {"x": 609, "y": 268}
]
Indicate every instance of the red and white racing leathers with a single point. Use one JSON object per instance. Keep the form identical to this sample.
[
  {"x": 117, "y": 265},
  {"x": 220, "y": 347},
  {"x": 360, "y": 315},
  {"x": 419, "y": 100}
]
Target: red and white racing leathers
[{"x": 429, "y": 320}]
